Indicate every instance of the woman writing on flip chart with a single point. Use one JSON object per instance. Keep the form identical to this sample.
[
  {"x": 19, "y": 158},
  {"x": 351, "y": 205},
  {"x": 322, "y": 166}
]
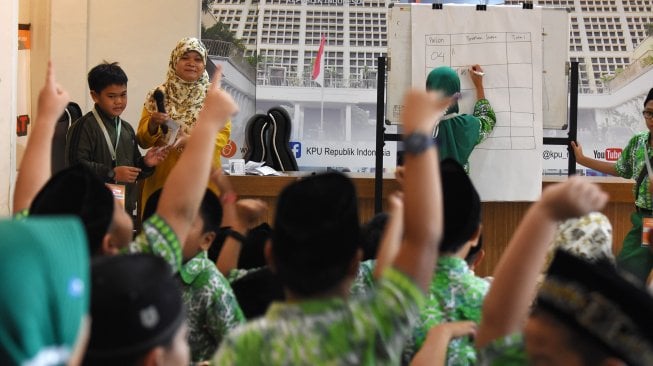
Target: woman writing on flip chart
[{"x": 458, "y": 134}]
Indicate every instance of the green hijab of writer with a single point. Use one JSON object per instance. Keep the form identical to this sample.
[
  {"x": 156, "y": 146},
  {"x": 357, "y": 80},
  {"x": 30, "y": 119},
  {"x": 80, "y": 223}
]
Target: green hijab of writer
[{"x": 457, "y": 134}]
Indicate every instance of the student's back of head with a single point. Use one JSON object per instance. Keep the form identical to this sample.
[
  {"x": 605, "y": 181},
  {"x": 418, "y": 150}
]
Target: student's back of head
[
  {"x": 462, "y": 206},
  {"x": 475, "y": 254},
  {"x": 78, "y": 191},
  {"x": 210, "y": 209},
  {"x": 136, "y": 310},
  {"x": 593, "y": 311},
  {"x": 256, "y": 291},
  {"x": 316, "y": 233},
  {"x": 252, "y": 252},
  {"x": 211, "y": 212},
  {"x": 106, "y": 74}
]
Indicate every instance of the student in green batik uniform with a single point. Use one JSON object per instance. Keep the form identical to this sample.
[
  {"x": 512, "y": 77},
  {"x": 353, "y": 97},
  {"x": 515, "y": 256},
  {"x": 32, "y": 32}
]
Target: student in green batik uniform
[
  {"x": 633, "y": 257},
  {"x": 211, "y": 307},
  {"x": 585, "y": 313},
  {"x": 455, "y": 293},
  {"x": 457, "y": 134},
  {"x": 315, "y": 251},
  {"x": 180, "y": 199}
]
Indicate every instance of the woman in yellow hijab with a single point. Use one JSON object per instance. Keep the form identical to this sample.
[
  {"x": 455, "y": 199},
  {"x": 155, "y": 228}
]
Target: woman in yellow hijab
[{"x": 184, "y": 91}]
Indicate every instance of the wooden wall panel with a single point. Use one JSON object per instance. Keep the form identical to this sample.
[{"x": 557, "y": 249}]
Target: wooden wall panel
[{"x": 500, "y": 219}]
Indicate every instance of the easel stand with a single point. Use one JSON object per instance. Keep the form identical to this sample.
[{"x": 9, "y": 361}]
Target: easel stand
[
  {"x": 573, "y": 120},
  {"x": 382, "y": 137}
]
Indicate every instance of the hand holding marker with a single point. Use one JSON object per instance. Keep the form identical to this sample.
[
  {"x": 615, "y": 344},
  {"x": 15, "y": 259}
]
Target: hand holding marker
[{"x": 476, "y": 72}]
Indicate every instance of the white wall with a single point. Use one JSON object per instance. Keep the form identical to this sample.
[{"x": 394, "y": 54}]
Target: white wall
[
  {"x": 68, "y": 40},
  {"x": 137, "y": 34},
  {"x": 140, "y": 35},
  {"x": 8, "y": 76},
  {"x": 77, "y": 35}
]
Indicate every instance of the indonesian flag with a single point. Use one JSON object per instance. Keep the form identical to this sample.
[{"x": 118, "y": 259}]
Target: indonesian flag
[{"x": 318, "y": 64}]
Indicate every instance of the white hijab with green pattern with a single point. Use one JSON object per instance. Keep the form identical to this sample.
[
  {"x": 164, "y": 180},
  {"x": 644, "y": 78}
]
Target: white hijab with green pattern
[{"x": 183, "y": 99}]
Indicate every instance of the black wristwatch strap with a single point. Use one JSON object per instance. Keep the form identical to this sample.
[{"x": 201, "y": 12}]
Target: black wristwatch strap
[
  {"x": 416, "y": 143},
  {"x": 234, "y": 234}
]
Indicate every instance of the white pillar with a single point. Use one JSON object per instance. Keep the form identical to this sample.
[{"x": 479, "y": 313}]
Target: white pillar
[
  {"x": 297, "y": 123},
  {"x": 348, "y": 122}
]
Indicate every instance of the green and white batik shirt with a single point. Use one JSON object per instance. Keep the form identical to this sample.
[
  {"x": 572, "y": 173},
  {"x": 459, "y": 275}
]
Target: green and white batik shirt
[{"x": 370, "y": 330}]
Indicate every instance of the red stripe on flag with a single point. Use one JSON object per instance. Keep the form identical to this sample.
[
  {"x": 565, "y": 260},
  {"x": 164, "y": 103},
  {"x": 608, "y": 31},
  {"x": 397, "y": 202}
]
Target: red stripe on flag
[{"x": 316, "y": 65}]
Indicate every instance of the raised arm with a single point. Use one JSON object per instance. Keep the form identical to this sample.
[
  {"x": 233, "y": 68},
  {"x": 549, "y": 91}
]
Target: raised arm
[
  {"x": 598, "y": 165},
  {"x": 35, "y": 168},
  {"x": 392, "y": 234},
  {"x": 507, "y": 303},
  {"x": 423, "y": 222},
  {"x": 230, "y": 251},
  {"x": 186, "y": 184}
]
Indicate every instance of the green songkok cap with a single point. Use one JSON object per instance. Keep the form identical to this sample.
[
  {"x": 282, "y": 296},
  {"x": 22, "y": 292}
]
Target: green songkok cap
[
  {"x": 43, "y": 289},
  {"x": 446, "y": 80}
]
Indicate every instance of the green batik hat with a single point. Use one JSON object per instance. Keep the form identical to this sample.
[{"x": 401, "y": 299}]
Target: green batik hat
[{"x": 44, "y": 293}]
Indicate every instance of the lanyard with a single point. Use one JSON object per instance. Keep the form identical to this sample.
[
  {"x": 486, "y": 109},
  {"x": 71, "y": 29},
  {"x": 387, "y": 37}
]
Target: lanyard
[{"x": 112, "y": 149}]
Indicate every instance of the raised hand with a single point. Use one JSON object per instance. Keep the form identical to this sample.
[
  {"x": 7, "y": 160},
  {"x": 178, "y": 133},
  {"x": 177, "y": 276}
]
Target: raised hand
[
  {"x": 218, "y": 104},
  {"x": 218, "y": 178},
  {"x": 251, "y": 212},
  {"x": 35, "y": 167},
  {"x": 422, "y": 109},
  {"x": 573, "y": 198},
  {"x": 52, "y": 98}
]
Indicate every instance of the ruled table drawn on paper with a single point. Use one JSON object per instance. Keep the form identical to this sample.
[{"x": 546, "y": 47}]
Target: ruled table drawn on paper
[{"x": 508, "y": 65}]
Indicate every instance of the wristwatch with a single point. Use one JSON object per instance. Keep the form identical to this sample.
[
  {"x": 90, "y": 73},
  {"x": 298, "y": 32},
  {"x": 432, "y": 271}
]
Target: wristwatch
[
  {"x": 228, "y": 231},
  {"x": 416, "y": 143},
  {"x": 111, "y": 175}
]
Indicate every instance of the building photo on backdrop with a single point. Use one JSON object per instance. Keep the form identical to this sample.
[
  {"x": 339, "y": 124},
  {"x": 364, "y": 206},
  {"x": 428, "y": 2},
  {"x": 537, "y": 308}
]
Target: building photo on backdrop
[{"x": 274, "y": 45}]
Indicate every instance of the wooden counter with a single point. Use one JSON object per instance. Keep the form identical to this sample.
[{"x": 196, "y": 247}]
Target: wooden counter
[
  {"x": 499, "y": 218},
  {"x": 268, "y": 188}
]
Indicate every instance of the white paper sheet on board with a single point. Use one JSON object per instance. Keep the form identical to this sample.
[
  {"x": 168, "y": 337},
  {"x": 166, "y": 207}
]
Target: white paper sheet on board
[{"x": 507, "y": 43}]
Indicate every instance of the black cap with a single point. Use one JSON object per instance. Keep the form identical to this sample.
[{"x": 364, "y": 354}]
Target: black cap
[
  {"x": 598, "y": 302},
  {"x": 136, "y": 305},
  {"x": 78, "y": 191},
  {"x": 316, "y": 232}
]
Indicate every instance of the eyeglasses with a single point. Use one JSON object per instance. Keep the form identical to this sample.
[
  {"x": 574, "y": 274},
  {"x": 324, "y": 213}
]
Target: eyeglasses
[{"x": 647, "y": 114}]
